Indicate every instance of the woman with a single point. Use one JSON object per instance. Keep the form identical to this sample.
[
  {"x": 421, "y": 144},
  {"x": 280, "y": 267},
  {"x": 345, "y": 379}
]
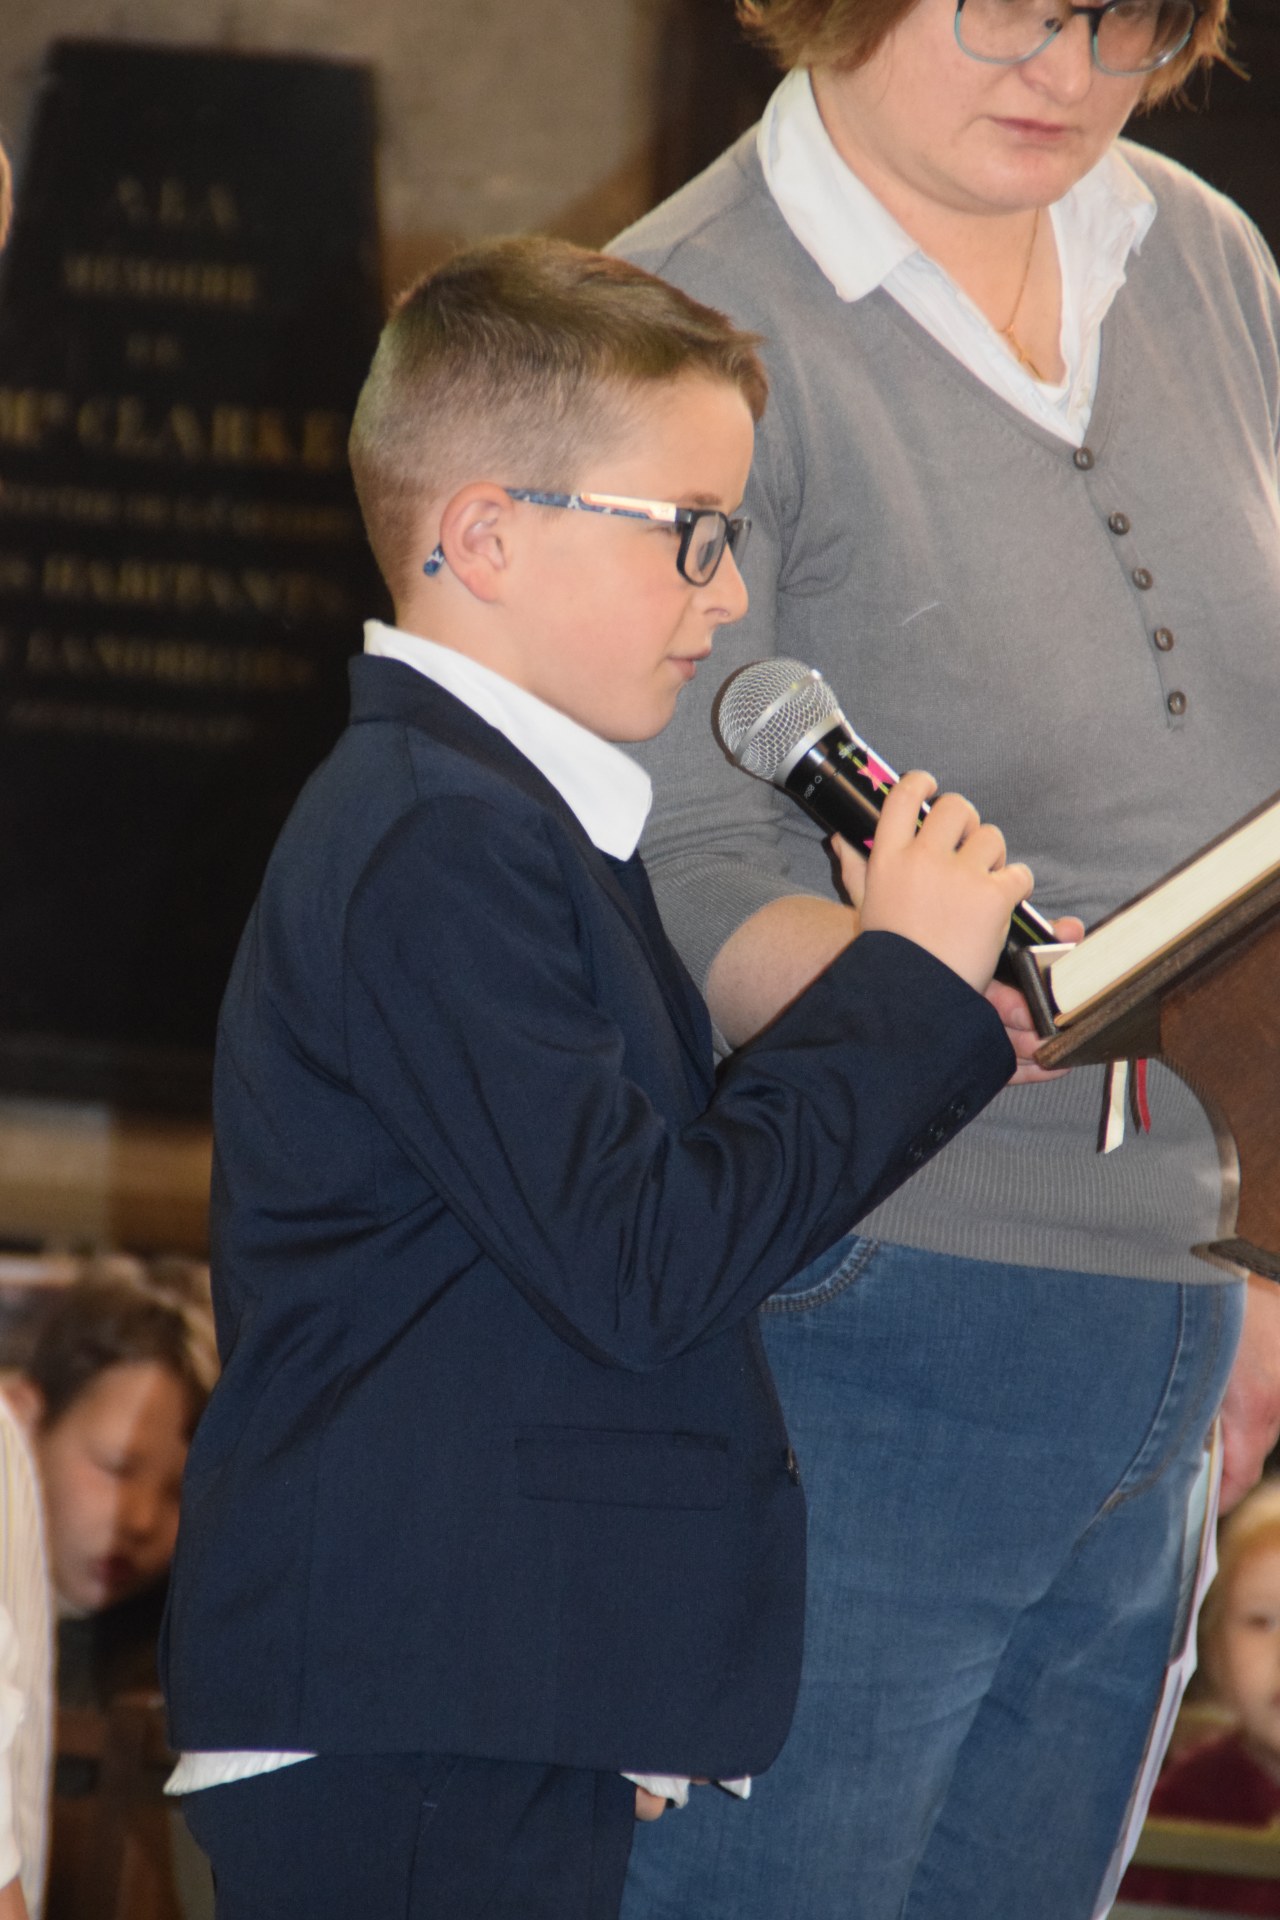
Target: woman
[{"x": 1016, "y": 496}]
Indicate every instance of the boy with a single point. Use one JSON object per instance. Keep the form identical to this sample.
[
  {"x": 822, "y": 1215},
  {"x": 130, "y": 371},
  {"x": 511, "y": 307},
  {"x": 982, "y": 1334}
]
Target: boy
[{"x": 492, "y": 1501}]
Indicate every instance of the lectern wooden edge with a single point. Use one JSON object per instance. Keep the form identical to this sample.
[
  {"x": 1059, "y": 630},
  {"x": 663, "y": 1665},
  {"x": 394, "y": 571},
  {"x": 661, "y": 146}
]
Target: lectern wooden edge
[{"x": 1210, "y": 1009}]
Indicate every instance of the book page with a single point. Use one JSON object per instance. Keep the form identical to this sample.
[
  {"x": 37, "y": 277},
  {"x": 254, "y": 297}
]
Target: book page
[{"x": 1157, "y": 920}]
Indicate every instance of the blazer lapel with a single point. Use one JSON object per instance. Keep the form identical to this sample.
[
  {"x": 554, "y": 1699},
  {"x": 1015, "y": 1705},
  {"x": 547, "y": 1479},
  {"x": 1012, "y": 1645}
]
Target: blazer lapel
[
  {"x": 388, "y": 689},
  {"x": 633, "y": 895}
]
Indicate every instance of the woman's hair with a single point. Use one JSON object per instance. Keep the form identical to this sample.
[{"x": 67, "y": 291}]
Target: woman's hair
[
  {"x": 518, "y": 361},
  {"x": 118, "y": 1313},
  {"x": 1254, "y": 1527},
  {"x": 846, "y": 33}
]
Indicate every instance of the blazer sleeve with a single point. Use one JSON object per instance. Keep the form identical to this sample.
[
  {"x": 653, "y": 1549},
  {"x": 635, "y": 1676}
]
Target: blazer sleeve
[{"x": 479, "y": 1036}]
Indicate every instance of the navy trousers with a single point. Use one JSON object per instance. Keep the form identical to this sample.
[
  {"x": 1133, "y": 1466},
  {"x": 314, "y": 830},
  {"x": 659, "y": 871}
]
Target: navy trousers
[{"x": 416, "y": 1837}]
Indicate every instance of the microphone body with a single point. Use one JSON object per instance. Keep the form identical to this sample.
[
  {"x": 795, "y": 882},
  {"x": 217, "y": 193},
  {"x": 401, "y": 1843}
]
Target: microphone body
[{"x": 780, "y": 721}]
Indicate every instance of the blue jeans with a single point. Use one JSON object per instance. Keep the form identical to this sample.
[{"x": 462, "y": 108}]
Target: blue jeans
[{"x": 997, "y": 1461}]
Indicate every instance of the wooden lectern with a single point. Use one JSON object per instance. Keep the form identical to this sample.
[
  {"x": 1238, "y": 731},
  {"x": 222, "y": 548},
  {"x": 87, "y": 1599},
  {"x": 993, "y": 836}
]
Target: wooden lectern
[{"x": 1210, "y": 1009}]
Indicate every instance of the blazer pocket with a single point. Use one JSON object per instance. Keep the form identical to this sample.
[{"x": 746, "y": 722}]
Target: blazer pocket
[{"x": 600, "y": 1467}]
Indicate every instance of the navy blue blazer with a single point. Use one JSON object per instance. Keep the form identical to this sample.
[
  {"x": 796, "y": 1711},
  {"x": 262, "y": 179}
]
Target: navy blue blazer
[{"x": 495, "y": 1465}]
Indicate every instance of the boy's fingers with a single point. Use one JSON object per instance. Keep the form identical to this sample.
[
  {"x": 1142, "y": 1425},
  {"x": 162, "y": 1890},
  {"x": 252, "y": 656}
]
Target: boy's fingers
[
  {"x": 983, "y": 846},
  {"x": 901, "y": 809},
  {"x": 649, "y": 1806},
  {"x": 853, "y": 869},
  {"x": 952, "y": 820}
]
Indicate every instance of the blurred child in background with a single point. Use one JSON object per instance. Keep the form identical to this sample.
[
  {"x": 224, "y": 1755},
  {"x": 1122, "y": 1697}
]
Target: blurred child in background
[
  {"x": 1234, "y": 1778},
  {"x": 109, "y": 1396}
]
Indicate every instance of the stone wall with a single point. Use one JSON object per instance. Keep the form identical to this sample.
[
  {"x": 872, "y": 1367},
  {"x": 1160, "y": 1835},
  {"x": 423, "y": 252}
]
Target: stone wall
[{"x": 497, "y": 116}]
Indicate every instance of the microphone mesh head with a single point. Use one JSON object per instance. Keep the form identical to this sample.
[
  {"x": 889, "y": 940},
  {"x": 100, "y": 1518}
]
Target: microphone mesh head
[{"x": 765, "y": 710}]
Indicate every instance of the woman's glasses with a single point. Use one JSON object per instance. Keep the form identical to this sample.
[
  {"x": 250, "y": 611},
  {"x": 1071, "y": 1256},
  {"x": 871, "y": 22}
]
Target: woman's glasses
[
  {"x": 1128, "y": 37},
  {"x": 704, "y": 531}
]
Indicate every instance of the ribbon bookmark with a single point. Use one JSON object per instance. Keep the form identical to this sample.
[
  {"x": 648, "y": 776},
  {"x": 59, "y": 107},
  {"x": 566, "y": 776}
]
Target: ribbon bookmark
[
  {"x": 1123, "y": 1090},
  {"x": 1111, "y": 1133}
]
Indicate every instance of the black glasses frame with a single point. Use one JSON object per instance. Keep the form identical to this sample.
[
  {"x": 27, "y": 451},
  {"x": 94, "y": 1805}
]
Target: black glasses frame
[{"x": 733, "y": 534}]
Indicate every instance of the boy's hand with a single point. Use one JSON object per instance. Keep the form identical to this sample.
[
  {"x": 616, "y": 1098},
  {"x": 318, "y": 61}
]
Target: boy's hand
[
  {"x": 648, "y": 1805},
  {"x": 945, "y": 886}
]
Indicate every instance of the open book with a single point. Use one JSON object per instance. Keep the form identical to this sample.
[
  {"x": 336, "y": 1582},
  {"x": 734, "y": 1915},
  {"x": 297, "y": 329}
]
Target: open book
[{"x": 1180, "y": 917}]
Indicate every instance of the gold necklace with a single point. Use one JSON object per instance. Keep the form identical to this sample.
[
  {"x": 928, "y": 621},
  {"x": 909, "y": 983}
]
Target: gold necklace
[{"x": 1006, "y": 332}]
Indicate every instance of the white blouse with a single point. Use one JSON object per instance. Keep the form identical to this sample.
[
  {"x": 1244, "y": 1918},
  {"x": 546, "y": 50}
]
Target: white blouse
[
  {"x": 858, "y": 245},
  {"x": 26, "y": 1669}
]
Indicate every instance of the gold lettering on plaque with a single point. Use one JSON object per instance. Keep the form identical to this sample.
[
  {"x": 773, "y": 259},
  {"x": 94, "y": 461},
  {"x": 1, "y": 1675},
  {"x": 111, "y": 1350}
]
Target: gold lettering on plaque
[
  {"x": 88, "y": 504},
  {"x": 324, "y": 441},
  {"x": 190, "y": 664},
  {"x": 287, "y": 593},
  {"x": 174, "y": 204},
  {"x": 27, "y": 416},
  {"x": 116, "y": 276},
  {"x": 127, "y": 723},
  {"x": 190, "y": 513},
  {"x": 228, "y": 434}
]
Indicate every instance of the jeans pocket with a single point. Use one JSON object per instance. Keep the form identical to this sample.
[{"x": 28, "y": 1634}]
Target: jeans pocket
[{"x": 825, "y": 1278}]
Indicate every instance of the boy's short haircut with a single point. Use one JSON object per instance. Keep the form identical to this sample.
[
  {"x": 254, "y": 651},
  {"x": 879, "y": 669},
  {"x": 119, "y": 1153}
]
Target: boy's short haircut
[
  {"x": 517, "y": 362},
  {"x": 121, "y": 1313}
]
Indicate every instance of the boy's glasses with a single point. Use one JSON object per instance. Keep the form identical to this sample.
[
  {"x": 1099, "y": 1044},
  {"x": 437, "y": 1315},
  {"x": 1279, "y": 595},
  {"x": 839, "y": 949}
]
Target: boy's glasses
[
  {"x": 1127, "y": 37},
  {"x": 704, "y": 531}
]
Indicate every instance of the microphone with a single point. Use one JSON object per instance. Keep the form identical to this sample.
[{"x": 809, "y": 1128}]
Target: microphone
[{"x": 780, "y": 721}]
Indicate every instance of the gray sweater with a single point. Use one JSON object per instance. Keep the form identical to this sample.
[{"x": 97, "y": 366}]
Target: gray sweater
[{"x": 1086, "y": 642}]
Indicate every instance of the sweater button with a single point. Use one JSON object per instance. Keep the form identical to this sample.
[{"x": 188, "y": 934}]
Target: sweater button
[
  {"x": 1177, "y": 703},
  {"x": 1163, "y": 639},
  {"x": 792, "y": 1465},
  {"x": 1118, "y": 522},
  {"x": 1141, "y": 578},
  {"x": 1083, "y": 458}
]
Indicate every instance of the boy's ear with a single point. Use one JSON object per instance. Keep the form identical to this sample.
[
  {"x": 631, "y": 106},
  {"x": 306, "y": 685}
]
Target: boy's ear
[
  {"x": 26, "y": 1403},
  {"x": 476, "y": 530}
]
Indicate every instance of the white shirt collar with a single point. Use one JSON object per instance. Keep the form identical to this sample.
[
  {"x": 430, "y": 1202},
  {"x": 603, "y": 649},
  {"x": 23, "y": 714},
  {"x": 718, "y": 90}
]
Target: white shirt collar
[
  {"x": 606, "y": 790},
  {"x": 857, "y": 242},
  {"x": 859, "y": 246},
  {"x": 837, "y": 220}
]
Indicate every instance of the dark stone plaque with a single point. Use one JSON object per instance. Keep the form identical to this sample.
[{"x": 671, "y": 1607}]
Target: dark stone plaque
[{"x": 189, "y": 303}]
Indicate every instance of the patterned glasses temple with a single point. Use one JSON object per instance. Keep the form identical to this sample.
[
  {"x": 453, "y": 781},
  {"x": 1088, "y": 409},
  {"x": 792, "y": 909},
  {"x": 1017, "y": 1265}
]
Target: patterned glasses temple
[{"x": 730, "y": 533}]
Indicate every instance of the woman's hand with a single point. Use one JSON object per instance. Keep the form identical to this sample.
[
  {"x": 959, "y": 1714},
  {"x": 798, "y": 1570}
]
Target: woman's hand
[{"x": 1024, "y": 1036}]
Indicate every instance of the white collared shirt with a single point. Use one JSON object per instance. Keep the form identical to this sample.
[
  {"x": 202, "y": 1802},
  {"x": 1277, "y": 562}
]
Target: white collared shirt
[
  {"x": 607, "y": 791},
  {"x": 609, "y": 795},
  {"x": 859, "y": 246}
]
